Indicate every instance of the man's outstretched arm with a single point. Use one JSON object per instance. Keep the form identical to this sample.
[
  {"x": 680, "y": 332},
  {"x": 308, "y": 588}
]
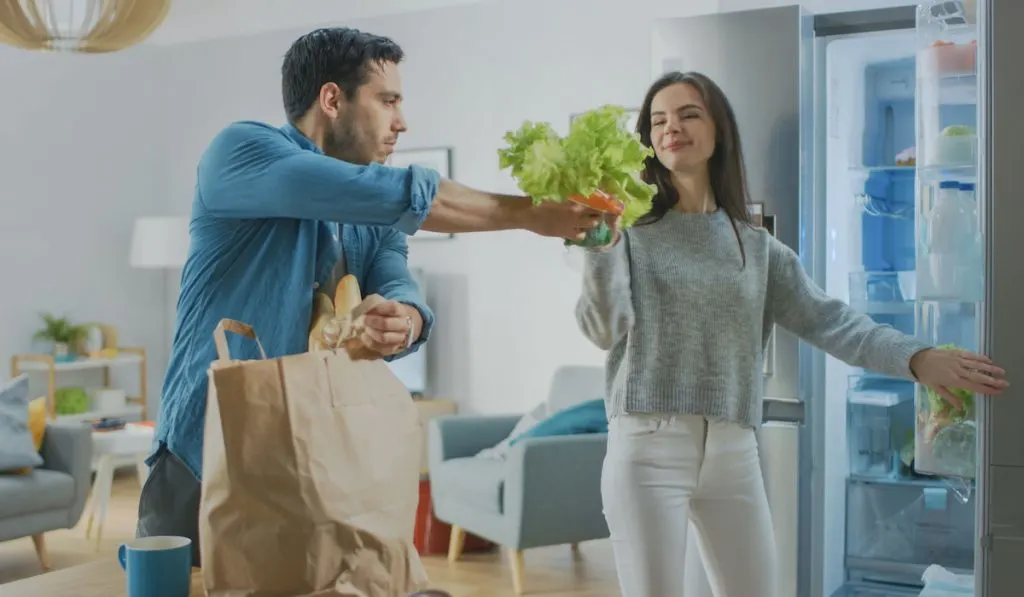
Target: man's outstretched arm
[
  {"x": 252, "y": 170},
  {"x": 458, "y": 208}
]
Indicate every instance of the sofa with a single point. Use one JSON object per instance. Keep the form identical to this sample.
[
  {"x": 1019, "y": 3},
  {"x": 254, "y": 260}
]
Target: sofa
[
  {"x": 53, "y": 495},
  {"x": 545, "y": 491}
]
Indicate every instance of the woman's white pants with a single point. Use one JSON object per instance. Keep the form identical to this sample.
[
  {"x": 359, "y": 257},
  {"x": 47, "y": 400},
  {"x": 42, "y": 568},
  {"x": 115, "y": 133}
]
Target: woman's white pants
[{"x": 663, "y": 471}]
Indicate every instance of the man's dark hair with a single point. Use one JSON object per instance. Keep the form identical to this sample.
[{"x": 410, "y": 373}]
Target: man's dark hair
[{"x": 338, "y": 55}]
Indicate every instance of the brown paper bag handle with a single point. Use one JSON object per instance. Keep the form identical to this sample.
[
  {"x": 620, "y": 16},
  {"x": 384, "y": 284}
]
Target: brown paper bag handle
[{"x": 237, "y": 327}]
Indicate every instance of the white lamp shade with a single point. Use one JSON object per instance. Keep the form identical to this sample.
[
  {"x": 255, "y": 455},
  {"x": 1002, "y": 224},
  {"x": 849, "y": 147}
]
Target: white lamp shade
[{"x": 159, "y": 242}]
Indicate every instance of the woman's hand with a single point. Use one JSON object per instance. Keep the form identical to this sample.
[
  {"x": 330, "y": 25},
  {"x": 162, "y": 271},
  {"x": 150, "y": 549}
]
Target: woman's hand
[
  {"x": 613, "y": 221},
  {"x": 941, "y": 369}
]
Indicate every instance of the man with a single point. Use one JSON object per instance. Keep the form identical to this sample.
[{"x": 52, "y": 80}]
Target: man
[{"x": 276, "y": 210}]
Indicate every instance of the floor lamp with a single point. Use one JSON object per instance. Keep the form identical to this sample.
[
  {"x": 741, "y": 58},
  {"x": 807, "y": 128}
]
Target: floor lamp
[{"x": 161, "y": 242}]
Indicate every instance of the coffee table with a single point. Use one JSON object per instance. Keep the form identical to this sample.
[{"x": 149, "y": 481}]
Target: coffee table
[{"x": 103, "y": 578}]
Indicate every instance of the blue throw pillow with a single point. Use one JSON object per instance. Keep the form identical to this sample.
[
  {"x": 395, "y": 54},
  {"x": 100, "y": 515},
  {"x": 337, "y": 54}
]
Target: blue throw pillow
[
  {"x": 585, "y": 417},
  {"x": 17, "y": 450}
]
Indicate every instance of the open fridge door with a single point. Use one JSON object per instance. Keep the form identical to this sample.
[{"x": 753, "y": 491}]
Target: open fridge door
[{"x": 1000, "y": 478}]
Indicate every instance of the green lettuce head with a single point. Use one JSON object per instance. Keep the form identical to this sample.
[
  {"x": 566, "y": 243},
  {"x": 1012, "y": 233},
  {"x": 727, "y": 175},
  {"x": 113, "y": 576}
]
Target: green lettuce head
[{"x": 599, "y": 153}]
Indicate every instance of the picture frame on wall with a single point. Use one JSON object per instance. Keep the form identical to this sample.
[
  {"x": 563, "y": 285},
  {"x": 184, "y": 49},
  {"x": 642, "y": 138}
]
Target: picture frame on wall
[
  {"x": 761, "y": 219},
  {"x": 435, "y": 158},
  {"x": 633, "y": 117}
]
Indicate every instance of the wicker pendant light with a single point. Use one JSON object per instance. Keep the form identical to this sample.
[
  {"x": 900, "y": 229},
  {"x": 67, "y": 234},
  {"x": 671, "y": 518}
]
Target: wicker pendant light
[{"x": 88, "y": 26}]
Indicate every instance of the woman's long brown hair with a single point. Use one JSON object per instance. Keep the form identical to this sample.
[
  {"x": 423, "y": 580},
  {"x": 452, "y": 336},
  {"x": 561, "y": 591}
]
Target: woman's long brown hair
[{"x": 727, "y": 173}]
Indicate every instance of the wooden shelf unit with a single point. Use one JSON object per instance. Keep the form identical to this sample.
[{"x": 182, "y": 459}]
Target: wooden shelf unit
[{"x": 129, "y": 355}]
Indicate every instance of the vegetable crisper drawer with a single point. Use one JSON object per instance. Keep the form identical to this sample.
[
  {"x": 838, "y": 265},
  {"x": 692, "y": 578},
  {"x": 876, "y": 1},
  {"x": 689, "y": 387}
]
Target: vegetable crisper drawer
[{"x": 909, "y": 523}]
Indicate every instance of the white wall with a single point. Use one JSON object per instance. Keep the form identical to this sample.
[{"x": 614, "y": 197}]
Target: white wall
[
  {"x": 195, "y": 20},
  {"x": 80, "y": 158}
]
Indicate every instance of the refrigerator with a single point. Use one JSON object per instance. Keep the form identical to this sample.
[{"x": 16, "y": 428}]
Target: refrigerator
[{"x": 872, "y": 146}]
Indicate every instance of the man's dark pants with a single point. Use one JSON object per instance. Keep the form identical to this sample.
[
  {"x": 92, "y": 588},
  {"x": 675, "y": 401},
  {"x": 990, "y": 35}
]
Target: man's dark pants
[{"x": 169, "y": 504}]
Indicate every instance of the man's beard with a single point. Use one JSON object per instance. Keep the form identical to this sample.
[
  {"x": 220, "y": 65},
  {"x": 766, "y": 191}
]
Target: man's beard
[{"x": 346, "y": 142}]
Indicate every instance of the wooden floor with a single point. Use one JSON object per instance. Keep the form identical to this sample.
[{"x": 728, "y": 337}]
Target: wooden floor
[{"x": 551, "y": 572}]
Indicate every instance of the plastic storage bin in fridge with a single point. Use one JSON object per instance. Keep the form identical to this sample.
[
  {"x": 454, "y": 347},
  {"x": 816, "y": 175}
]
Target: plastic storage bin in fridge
[
  {"x": 880, "y": 426},
  {"x": 919, "y": 524}
]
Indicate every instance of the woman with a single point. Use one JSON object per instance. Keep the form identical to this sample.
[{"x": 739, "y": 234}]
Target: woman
[{"x": 684, "y": 302}]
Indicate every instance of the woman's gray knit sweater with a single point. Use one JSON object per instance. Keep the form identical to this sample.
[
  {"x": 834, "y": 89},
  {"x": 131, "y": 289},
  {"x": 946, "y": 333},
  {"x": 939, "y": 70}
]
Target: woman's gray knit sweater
[{"x": 686, "y": 324}]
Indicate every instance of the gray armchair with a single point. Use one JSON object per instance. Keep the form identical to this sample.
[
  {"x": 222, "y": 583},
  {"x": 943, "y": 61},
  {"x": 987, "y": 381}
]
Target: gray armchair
[
  {"x": 53, "y": 496},
  {"x": 546, "y": 492}
]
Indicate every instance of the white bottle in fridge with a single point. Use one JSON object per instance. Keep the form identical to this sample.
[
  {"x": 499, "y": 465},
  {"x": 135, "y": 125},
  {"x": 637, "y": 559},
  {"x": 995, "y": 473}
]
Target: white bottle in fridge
[
  {"x": 943, "y": 243},
  {"x": 974, "y": 253}
]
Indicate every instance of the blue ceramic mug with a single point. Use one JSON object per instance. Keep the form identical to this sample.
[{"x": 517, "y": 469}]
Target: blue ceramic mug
[{"x": 157, "y": 566}]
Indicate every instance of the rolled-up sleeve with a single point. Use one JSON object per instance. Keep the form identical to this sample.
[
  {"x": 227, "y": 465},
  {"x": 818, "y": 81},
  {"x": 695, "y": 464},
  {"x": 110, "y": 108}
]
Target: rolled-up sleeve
[{"x": 423, "y": 183}]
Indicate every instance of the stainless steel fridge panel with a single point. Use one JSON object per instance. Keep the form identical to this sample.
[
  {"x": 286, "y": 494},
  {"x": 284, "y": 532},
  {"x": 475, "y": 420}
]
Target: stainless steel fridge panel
[
  {"x": 779, "y": 447},
  {"x": 1001, "y": 444}
]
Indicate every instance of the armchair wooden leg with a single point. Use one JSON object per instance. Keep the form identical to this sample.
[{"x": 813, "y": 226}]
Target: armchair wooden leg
[
  {"x": 456, "y": 542},
  {"x": 40, "y": 542},
  {"x": 518, "y": 565},
  {"x": 575, "y": 548}
]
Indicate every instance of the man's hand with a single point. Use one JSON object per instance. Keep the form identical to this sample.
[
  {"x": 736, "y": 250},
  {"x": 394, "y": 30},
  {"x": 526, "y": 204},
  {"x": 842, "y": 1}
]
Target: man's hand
[
  {"x": 390, "y": 328},
  {"x": 562, "y": 219}
]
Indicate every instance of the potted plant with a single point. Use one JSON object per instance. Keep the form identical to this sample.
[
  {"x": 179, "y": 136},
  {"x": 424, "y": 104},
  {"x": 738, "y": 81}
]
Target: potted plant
[{"x": 62, "y": 334}]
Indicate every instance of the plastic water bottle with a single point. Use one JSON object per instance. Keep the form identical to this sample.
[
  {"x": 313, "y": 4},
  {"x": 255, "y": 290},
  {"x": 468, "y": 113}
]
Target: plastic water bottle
[
  {"x": 943, "y": 241},
  {"x": 974, "y": 253}
]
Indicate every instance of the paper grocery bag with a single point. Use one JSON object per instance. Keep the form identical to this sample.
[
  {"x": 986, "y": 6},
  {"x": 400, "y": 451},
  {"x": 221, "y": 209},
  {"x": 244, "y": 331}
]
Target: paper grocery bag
[{"x": 310, "y": 473}]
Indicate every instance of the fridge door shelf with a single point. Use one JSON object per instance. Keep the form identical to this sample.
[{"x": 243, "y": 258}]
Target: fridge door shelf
[
  {"x": 948, "y": 60},
  {"x": 883, "y": 293},
  {"x": 945, "y": 441},
  {"x": 865, "y": 170},
  {"x": 950, "y": 248},
  {"x": 947, "y": 75},
  {"x": 901, "y": 529},
  {"x": 939, "y": 172},
  {"x": 947, "y": 95},
  {"x": 945, "y": 438}
]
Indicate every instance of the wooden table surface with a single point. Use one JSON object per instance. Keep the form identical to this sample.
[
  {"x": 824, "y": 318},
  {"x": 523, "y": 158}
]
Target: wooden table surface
[{"x": 103, "y": 578}]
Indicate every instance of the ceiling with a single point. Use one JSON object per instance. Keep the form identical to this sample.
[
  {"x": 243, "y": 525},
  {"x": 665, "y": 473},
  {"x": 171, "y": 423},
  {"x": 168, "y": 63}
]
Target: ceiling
[{"x": 196, "y": 20}]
